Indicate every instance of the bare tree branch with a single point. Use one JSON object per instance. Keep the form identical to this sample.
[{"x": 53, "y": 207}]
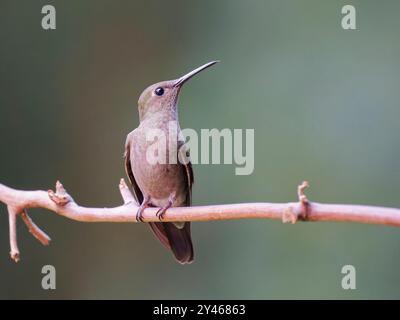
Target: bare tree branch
[
  {"x": 60, "y": 202},
  {"x": 42, "y": 237},
  {"x": 12, "y": 220}
]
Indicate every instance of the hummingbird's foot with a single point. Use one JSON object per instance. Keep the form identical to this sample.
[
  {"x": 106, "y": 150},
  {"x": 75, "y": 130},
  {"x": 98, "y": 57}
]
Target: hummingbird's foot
[
  {"x": 145, "y": 204},
  {"x": 160, "y": 213},
  {"x": 139, "y": 214}
]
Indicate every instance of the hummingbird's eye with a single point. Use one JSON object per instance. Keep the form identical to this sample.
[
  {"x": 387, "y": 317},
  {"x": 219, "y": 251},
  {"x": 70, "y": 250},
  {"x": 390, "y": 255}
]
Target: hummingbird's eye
[{"x": 159, "y": 91}]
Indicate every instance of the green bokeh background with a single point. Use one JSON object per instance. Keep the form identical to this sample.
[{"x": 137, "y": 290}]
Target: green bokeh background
[{"x": 324, "y": 103}]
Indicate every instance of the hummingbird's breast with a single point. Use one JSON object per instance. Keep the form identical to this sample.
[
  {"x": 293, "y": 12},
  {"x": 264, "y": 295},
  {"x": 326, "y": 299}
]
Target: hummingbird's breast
[{"x": 156, "y": 175}]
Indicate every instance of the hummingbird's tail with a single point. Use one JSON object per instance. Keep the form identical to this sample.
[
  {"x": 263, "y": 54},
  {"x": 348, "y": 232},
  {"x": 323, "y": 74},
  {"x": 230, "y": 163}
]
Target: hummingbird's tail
[{"x": 178, "y": 240}]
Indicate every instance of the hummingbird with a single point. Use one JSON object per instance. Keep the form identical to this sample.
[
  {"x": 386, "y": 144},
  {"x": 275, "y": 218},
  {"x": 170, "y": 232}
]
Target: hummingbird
[{"x": 162, "y": 185}]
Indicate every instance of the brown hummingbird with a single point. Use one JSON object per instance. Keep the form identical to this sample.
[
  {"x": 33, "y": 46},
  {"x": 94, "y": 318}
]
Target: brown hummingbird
[{"x": 162, "y": 184}]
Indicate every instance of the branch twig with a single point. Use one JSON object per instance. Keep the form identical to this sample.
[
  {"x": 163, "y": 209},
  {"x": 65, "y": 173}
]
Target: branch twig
[{"x": 63, "y": 204}]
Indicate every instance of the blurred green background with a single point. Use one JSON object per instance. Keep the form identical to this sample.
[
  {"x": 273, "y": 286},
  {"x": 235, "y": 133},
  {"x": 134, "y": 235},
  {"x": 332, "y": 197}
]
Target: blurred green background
[{"x": 324, "y": 103}]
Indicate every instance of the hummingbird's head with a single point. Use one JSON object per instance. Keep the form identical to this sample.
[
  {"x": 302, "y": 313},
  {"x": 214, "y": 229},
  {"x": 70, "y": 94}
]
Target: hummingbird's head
[{"x": 163, "y": 96}]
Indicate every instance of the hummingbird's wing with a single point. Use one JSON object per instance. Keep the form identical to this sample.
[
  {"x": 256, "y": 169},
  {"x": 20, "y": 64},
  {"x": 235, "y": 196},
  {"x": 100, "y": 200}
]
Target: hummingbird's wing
[
  {"x": 187, "y": 166},
  {"x": 127, "y": 156}
]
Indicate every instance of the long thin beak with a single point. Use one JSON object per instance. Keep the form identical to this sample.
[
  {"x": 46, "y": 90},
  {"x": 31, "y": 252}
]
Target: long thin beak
[{"x": 187, "y": 76}]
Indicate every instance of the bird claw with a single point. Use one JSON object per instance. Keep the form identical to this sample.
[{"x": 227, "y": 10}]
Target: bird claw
[
  {"x": 139, "y": 217},
  {"x": 145, "y": 204},
  {"x": 139, "y": 212},
  {"x": 160, "y": 213}
]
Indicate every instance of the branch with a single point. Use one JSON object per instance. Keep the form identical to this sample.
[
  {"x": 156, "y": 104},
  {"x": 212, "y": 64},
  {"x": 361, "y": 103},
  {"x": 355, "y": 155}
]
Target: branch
[{"x": 63, "y": 204}]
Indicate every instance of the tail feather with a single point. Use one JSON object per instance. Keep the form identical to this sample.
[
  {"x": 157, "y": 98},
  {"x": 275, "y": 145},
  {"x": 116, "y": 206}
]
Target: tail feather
[
  {"x": 177, "y": 240},
  {"x": 159, "y": 231}
]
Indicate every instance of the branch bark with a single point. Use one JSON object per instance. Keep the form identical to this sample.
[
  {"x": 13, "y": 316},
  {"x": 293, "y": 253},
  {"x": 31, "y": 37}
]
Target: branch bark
[{"x": 60, "y": 202}]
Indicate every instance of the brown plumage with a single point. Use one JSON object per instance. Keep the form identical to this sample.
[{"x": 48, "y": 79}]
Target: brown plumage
[{"x": 165, "y": 184}]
